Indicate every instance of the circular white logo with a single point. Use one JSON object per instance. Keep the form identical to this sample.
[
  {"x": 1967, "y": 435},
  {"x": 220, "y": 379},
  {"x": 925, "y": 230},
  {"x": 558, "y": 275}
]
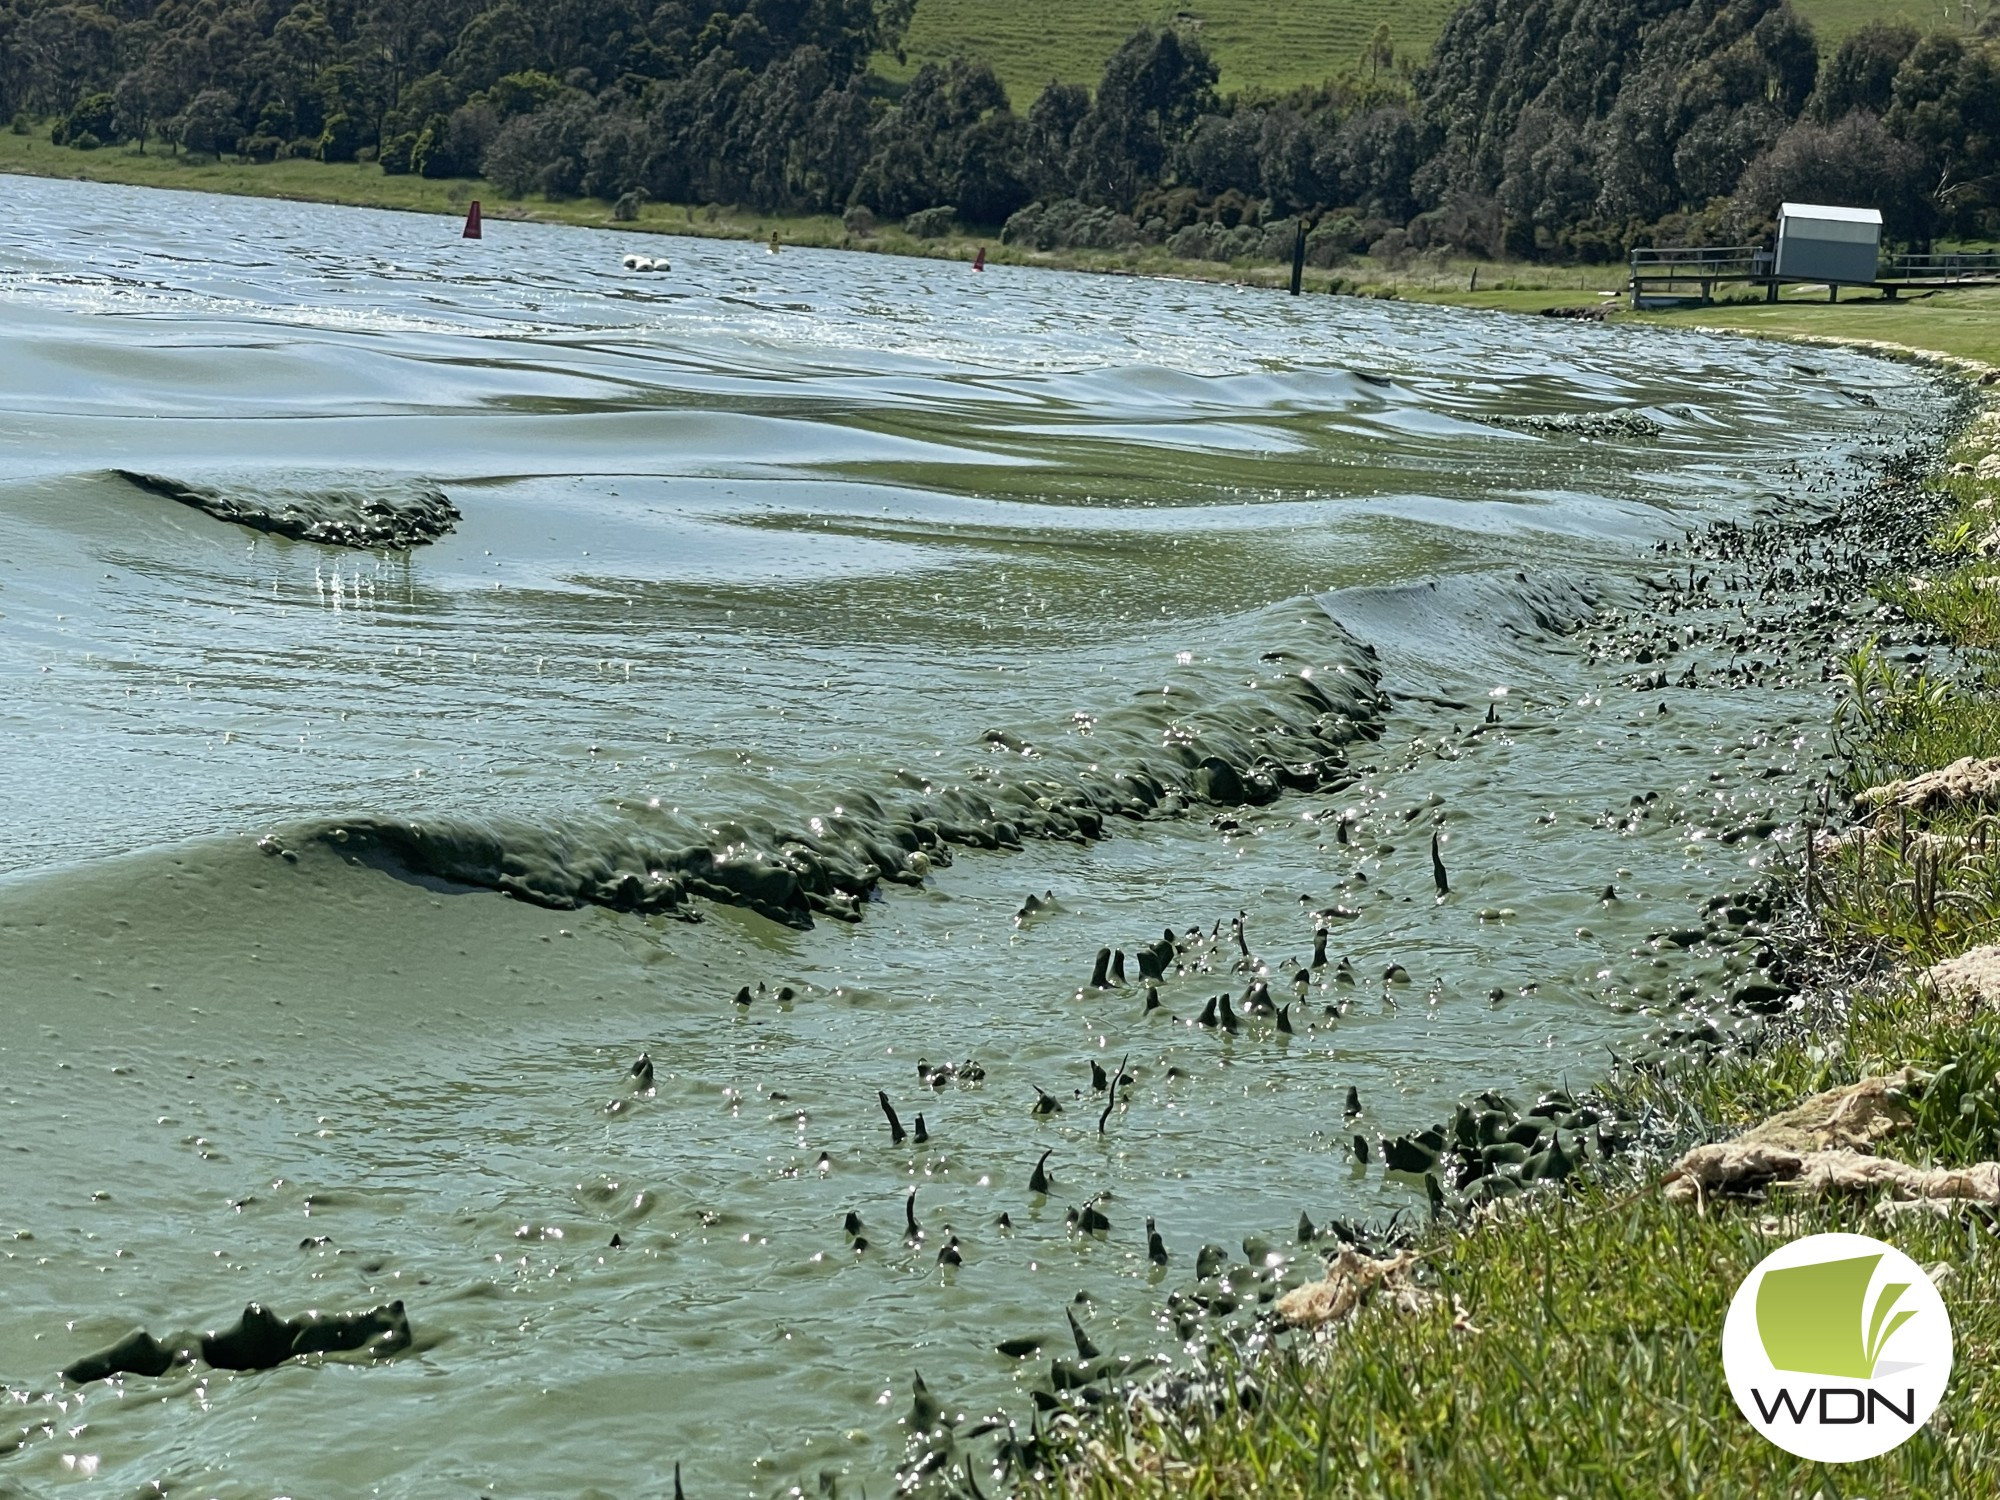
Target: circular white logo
[{"x": 1837, "y": 1347}]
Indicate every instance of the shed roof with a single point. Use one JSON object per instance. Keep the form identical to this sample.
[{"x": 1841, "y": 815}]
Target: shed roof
[{"x": 1829, "y": 211}]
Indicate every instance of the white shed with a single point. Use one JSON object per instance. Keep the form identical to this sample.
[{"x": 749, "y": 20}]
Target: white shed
[{"x": 1817, "y": 242}]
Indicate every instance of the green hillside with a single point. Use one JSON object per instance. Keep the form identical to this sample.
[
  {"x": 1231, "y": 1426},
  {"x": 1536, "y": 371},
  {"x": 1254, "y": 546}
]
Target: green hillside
[
  {"x": 1833, "y": 19},
  {"x": 1259, "y": 44},
  {"x": 1264, "y": 44}
]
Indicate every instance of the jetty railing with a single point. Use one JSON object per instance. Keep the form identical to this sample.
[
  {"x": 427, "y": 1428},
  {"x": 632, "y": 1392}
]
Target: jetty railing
[
  {"x": 1663, "y": 272},
  {"x": 1953, "y": 265},
  {"x": 1682, "y": 274}
]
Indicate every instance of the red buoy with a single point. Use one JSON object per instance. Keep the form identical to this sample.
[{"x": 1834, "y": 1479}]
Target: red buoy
[
  {"x": 472, "y": 221},
  {"x": 979, "y": 259}
]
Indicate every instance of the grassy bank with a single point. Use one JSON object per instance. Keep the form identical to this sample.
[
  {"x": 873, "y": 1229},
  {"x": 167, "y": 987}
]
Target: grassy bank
[
  {"x": 1961, "y": 325},
  {"x": 1572, "y": 1344}
]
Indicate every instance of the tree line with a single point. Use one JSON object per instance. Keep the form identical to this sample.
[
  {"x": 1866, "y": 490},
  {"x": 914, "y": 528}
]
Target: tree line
[{"x": 1558, "y": 129}]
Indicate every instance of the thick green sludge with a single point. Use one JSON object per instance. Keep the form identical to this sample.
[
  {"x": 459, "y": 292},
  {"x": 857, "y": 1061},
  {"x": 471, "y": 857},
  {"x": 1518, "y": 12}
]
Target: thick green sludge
[
  {"x": 339, "y": 510},
  {"x": 259, "y": 1340},
  {"x": 1200, "y": 740}
]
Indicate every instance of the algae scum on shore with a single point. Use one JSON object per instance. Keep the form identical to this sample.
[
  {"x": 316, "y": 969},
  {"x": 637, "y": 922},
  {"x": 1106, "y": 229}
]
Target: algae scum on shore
[{"x": 530, "y": 926}]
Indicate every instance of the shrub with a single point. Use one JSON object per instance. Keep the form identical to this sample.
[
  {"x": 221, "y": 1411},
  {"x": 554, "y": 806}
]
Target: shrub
[
  {"x": 931, "y": 223},
  {"x": 615, "y": 148},
  {"x": 1215, "y": 242},
  {"x": 1068, "y": 224},
  {"x": 1279, "y": 236},
  {"x": 1856, "y": 160},
  {"x": 396, "y": 153},
  {"x": 626, "y": 209},
  {"x": 1176, "y": 208},
  {"x": 431, "y": 155},
  {"x": 341, "y": 139},
  {"x": 209, "y": 125},
  {"x": 859, "y": 219},
  {"x": 514, "y": 161},
  {"x": 1335, "y": 236},
  {"x": 1392, "y": 249},
  {"x": 92, "y": 116},
  {"x": 555, "y": 152},
  {"x": 22, "y": 125}
]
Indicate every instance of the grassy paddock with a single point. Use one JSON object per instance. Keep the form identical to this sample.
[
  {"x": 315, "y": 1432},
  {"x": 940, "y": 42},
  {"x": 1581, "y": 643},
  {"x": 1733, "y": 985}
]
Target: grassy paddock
[
  {"x": 1258, "y": 45},
  {"x": 1963, "y": 325},
  {"x": 1262, "y": 45}
]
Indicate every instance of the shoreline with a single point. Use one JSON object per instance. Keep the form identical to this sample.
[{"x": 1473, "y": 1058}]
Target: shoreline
[
  {"x": 1568, "y": 1341},
  {"x": 1951, "y": 325},
  {"x": 364, "y": 186}
]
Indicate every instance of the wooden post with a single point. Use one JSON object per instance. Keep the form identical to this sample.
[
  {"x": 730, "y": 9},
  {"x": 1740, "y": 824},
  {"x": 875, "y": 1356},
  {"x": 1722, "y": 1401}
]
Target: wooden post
[{"x": 1299, "y": 257}]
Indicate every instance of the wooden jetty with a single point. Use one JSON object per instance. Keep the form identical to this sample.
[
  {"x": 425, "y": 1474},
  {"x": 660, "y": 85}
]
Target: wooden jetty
[{"x": 1681, "y": 277}]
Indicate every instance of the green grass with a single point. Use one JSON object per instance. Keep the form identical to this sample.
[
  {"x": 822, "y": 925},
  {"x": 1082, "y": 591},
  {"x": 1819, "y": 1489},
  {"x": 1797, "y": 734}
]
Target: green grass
[
  {"x": 1964, "y": 324},
  {"x": 1583, "y": 1360},
  {"x": 1833, "y": 19},
  {"x": 1259, "y": 45}
]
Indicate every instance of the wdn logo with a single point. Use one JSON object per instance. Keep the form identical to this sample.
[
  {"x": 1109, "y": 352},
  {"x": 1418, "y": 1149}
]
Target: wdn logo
[{"x": 1837, "y": 1347}]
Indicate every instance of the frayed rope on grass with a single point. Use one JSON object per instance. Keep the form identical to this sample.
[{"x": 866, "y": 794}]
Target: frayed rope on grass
[
  {"x": 1972, "y": 976},
  {"x": 1351, "y": 1279},
  {"x": 1737, "y": 1169},
  {"x": 1966, "y": 782},
  {"x": 1819, "y": 1148}
]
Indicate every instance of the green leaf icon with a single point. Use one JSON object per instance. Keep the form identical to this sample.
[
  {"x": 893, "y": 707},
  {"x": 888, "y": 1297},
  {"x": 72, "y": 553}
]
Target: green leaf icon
[
  {"x": 1877, "y": 1334},
  {"x": 1811, "y": 1317}
]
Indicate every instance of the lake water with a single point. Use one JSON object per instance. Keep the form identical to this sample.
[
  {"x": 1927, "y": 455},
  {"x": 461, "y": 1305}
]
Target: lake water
[{"x": 763, "y": 564}]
